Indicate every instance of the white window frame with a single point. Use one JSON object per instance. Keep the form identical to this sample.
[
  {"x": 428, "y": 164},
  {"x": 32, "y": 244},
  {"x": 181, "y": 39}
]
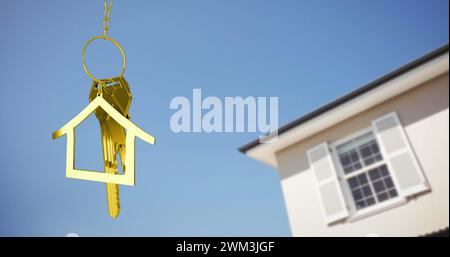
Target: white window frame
[{"x": 377, "y": 207}]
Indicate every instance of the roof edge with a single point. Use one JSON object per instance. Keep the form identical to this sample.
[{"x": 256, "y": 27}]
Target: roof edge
[{"x": 355, "y": 93}]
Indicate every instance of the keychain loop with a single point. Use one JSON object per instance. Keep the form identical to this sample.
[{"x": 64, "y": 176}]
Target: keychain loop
[{"x": 124, "y": 59}]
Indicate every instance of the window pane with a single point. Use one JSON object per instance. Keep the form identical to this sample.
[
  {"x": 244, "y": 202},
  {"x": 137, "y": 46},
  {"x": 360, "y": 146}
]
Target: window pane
[
  {"x": 360, "y": 205},
  {"x": 379, "y": 186},
  {"x": 370, "y": 201},
  {"x": 367, "y": 191},
  {"x": 393, "y": 193},
  {"x": 382, "y": 197},
  {"x": 369, "y": 161},
  {"x": 354, "y": 156},
  {"x": 357, "y": 194},
  {"x": 353, "y": 182},
  {"x": 384, "y": 170},
  {"x": 365, "y": 152},
  {"x": 374, "y": 174},
  {"x": 389, "y": 183},
  {"x": 345, "y": 160}
]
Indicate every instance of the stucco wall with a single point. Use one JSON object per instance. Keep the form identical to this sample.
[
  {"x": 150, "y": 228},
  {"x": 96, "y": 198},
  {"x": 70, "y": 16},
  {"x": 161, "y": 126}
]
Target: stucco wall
[{"x": 424, "y": 114}]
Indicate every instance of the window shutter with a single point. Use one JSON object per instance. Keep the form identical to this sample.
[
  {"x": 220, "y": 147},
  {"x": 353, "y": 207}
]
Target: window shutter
[
  {"x": 397, "y": 150},
  {"x": 330, "y": 192}
]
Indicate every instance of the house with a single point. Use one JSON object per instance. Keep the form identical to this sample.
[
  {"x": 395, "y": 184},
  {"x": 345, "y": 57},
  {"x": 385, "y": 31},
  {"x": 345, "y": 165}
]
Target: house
[
  {"x": 373, "y": 162},
  {"x": 133, "y": 131}
]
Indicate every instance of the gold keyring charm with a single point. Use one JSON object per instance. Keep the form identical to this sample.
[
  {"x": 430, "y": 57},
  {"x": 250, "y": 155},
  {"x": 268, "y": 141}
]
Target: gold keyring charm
[{"x": 124, "y": 59}]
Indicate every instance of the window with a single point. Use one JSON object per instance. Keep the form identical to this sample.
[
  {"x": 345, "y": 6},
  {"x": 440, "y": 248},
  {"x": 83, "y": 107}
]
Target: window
[
  {"x": 355, "y": 175},
  {"x": 365, "y": 171}
]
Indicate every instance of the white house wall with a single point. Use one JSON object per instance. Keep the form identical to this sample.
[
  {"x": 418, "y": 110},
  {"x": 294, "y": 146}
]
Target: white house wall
[{"x": 424, "y": 114}]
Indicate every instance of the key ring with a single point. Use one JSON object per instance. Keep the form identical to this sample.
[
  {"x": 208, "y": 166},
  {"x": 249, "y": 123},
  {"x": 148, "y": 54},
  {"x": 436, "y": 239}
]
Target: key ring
[{"x": 124, "y": 59}]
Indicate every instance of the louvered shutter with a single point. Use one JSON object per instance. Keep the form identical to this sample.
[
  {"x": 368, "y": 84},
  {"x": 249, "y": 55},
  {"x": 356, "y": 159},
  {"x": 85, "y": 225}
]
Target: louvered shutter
[
  {"x": 331, "y": 196},
  {"x": 397, "y": 150}
]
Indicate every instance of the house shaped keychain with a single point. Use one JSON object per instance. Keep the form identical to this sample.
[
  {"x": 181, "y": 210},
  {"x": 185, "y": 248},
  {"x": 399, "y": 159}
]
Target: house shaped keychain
[{"x": 110, "y": 100}]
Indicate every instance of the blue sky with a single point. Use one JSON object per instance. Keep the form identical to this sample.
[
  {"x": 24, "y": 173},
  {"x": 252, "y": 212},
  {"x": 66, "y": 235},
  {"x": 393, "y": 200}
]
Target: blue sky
[{"x": 307, "y": 53}]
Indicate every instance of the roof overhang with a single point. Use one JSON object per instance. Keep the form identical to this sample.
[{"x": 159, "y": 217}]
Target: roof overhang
[{"x": 360, "y": 100}]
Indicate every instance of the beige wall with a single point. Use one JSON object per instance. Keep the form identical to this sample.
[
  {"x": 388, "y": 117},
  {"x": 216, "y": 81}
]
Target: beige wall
[{"x": 424, "y": 114}]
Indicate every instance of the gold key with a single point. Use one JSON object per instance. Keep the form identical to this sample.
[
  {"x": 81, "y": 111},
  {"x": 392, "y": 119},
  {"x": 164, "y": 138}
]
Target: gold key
[{"x": 116, "y": 92}]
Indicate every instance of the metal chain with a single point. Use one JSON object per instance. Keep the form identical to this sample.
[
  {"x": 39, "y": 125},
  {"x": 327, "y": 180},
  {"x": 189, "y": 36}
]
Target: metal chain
[{"x": 108, "y": 7}]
